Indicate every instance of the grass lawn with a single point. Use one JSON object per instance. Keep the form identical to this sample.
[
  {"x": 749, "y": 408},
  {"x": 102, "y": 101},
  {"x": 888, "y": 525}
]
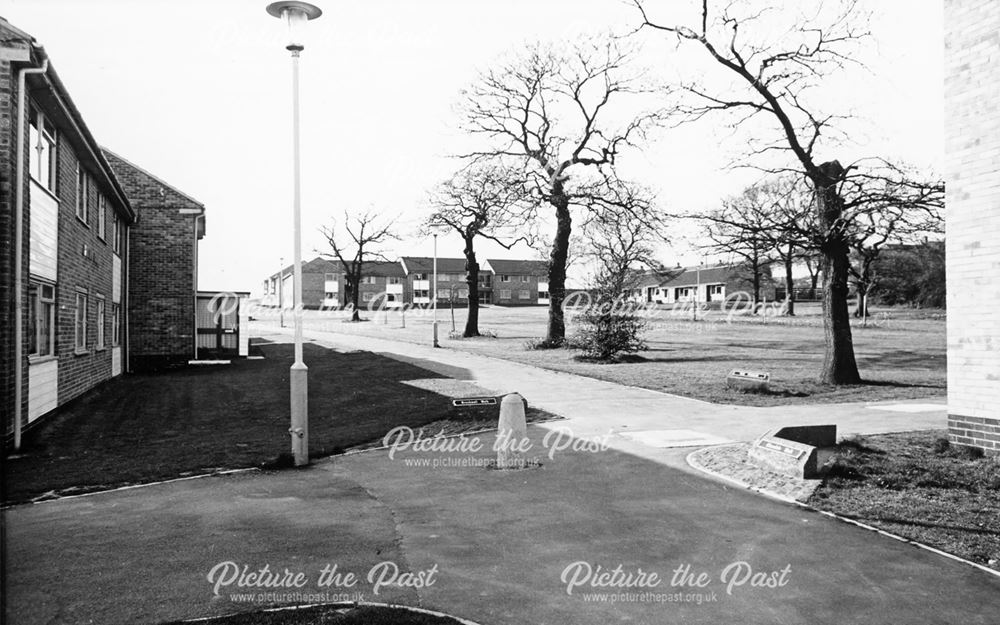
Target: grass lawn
[
  {"x": 146, "y": 427},
  {"x": 914, "y": 484},
  {"x": 901, "y": 354},
  {"x": 332, "y": 615}
]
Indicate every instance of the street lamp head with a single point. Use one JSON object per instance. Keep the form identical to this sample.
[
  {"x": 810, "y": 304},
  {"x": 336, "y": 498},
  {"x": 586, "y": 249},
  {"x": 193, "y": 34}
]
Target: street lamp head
[{"x": 295, "y": 14}]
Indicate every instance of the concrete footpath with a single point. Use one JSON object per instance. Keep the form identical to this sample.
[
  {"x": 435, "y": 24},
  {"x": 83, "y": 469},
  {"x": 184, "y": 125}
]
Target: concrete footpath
[{"x": 653, "y": 425}]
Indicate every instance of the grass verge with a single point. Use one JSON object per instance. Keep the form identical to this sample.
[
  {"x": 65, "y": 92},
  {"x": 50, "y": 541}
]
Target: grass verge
[
  {"x": 916, "y": 485},
  {"x": 195, "y": 420}
]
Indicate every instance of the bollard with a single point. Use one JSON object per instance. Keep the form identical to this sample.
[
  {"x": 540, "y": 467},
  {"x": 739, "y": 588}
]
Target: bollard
[{"x": 512, "y": 433}]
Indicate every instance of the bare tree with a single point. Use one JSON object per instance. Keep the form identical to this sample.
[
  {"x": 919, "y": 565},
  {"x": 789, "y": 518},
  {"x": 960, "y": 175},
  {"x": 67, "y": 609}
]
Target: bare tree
[
  {"x": 487, "y": 202},
  {"x": 743, "y": 228},
  {"x": 552, "y": 113},
  {"x": 907, "y": 212},
  {"x": 622, "y": 236},
  {"x": 365, "y": 237},
  {"x": 774, "y": 74}
]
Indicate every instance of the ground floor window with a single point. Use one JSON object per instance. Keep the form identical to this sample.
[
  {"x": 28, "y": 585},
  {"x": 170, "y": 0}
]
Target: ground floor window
[
  {"x": 41, "y": 319},
  {"x": 80, "y": 328},
  {"x": 543, "y": 295},
  {"x": 116, "y": 324},
  {"x": 444, "y": 293},
  {"x": 504, "y": 293},
  {"x": 100, "y": 323},
  {"x": 484, "y": 298},
  {"x": 523, "y": 294},
  {"x": 421, "y": 293},
  {"x": 367, "y": 297},
  {"x": 463, "y": 293}
]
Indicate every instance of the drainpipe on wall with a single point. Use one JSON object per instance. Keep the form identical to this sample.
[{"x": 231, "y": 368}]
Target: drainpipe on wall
[{"x": 19, "y": 251}]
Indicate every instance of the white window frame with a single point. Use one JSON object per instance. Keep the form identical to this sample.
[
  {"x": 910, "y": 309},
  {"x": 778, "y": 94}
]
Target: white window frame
[
  {"x": 80, "y": 310},
  {"x": 394, "y": 280},
  {"x": 118, "y": 233},
  {"x": 525, "y": 278},
  {"x": 101, "y": 319},
  {"x": 116, "y": 324},
  {"x": 82, "y": 195},
  {"x": 43, "y": 304},
  {"x": 102, "y": 208},
  {"x": 523, "y": 294},
  {"x": 367, "y": 296},
  {"x": 505, "y": 294},
  {"x": 504, "y": 277},
  {"x": 43, "y": 136}
]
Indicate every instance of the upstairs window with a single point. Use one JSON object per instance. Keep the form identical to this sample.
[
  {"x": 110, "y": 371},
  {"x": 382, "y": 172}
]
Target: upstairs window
[
  {"x": 525, "y": 279},
  {"x": 42, "y": 154},
  {"x": 102, "y": 209},
  {"x": 504, "y": 278},
  {"x": 118, "y": 234},
  {"x": 82, "y": 195}
]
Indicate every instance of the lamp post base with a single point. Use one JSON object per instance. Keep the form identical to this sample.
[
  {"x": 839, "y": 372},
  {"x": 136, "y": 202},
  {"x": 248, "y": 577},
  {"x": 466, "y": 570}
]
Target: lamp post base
[
  {"x": 436, "y": 344},
  {"x": 298, "y": 376}
]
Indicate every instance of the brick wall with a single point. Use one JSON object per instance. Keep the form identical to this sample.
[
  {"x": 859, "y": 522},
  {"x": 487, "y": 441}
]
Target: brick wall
[
  {"x": 8, "y": 129},
  {"x": 162, "y": 284},
  {"x": 972, "y": 147},
  {"x": 515, "y": 285}
]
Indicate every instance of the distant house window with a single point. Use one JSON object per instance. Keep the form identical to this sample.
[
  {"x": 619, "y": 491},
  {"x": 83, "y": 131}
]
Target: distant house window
[
  {"x": 444, "y": 293},
  {"x": 420, "y": 276},
  {"x": 390, "y": 297},
  {"x": 100, "y": 323},
  {"x": 331, "y": 295},
  {"x": 421, "y": 293},
  {"x": 543, "y": 294},
  {"x": 102, "y": 208},
  {"x": 367, "y": 297},
  {"x": 82, "y": 194},
  {"x": 485, "y": 279},
  {"x": 116, "y": 324},
  {"x": 41, "y": 319},
  {"x": 443, "y": 277},
  {"x": 80, "y": 323},
  {"x": 463, "y": 293},
  {"x": 394, "y": 280},
  {"x": 504, "y": 293},
  {"x": 525, "y": 279},
  {"x": 716, "y": 289},
  {"x": 504, "y": 278},
  {"x": 368, "y": 280},
  {"x": 42, "y": 154},
  {"x": 523, "y": 295}
]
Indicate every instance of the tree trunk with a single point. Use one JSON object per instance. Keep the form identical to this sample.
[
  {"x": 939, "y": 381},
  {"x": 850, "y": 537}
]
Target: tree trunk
[
  {"x": 472, "y": 279},
  {"x": 814, "y": 279},
  {"x": 355, "y": 297},
  {"x": 556, "y": 333},
  {"x": 756, "y": 281},
  {"x": 789, "y": 285},
  {"x": 839, "y": 365}
]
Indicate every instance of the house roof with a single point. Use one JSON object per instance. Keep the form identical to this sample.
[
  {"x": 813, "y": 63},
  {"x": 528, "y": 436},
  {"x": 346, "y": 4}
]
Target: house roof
[
  {"x": 519, "y": 267},
  {"x": 691, "y": 276},
  {"x": 425, "y": 264},
  {"x": 380, "y": 268},
  {"x": 49, "y": 92}
]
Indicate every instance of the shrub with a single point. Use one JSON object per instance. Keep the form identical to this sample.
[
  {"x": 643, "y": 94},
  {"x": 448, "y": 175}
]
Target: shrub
[{"x": 608, "y": 331}]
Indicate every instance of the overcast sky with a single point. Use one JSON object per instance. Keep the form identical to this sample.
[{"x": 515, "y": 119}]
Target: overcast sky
[{"x": 198, "y": 93}]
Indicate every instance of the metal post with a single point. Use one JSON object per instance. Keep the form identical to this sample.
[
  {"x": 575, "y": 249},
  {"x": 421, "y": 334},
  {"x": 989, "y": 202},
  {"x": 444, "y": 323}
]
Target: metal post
[
  {"x": 299, "y": 372},
  {"x": 434, "y": 292}
]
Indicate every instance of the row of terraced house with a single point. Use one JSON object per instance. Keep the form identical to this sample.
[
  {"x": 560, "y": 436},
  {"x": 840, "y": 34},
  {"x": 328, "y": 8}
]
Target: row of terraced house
[
  {"x": 410, "y": 281},
  {"x": 99, "y": 258}
]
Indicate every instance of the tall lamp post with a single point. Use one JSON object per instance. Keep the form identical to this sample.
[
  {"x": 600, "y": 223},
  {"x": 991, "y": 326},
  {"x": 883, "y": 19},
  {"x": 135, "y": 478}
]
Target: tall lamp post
[
  {"x": 434, "y": 292},
  {"x": 296, "y": 14}
]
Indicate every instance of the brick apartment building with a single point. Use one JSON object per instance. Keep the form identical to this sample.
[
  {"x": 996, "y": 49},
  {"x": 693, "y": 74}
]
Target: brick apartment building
[
  {"x": 451, "y": 282},
  {"x": 69, "y": 247},
  {"x": 67, "y": 217},
  {"x": 163, "y": 268},
  {"x": 408, "y": 281},
  {"x": 519, "y": 282},
  {"x": 972, "y": 113}
]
